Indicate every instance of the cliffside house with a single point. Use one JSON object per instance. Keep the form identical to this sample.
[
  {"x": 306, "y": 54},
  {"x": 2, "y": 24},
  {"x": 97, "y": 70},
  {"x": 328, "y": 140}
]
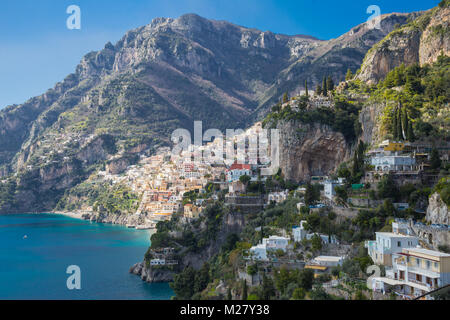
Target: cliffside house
[
  {"x": 277, "y": 197},
  {"x": 328, "y": 188},
  {"x": 299, "y": 233},
  {"x": 328, "y": 261},
  {"x": 192, "y": 211},
  {"x": 236, "y": 187},
  {"x": 388, "y": 243},
  {"x": 237, "y": 170},
  {"x": 414, "y": 272},
  {"x": 273, "y": 243}
]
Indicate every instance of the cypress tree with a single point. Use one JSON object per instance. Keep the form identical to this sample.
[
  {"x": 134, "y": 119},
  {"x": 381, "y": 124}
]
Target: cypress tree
[
  {"x": 435, "y": 160},
  {"x": 394, "y": 125},
  {"x": 318, "y": 90},
  {"x": 306, "y": 87},
  {"x": 410, "y": 133},
  {"x": 349, "y": 75},
  {"x": 244, "y": 290},
  {"x": 285, "y": 97},
  {"x": 324, "y": 87},
  {"x": 405, "y": 123},
  {"x": 399, "y": 124},
  {"x": 330, "y": 84}
]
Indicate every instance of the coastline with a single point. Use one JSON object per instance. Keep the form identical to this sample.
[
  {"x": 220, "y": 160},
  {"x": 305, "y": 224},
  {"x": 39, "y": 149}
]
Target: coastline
[{"x": 75, "y": 214}]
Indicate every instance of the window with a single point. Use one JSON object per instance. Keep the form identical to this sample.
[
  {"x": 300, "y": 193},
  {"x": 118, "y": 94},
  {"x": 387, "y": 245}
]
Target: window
[
  {"x": 428, "y": 264},
  {"x": 399, "y": 243},
  {"x": 418, "y": 262},
  {"x": 436, "y": 265}
]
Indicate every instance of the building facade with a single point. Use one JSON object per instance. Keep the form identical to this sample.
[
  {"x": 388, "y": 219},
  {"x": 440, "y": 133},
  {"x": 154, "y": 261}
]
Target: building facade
[{"x": 388, "y": 243}]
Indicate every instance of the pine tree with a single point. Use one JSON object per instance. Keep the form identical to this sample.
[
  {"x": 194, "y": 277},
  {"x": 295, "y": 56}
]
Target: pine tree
[
  {"x": 324, "y": 87},
  {"x": 349, "y": 75},
  {"x": 285, "y": 97},
  {"x": 306, "y": 87}
]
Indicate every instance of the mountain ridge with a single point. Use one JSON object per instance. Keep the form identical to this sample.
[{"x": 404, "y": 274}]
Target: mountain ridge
[{"x": 160, "y": 77}]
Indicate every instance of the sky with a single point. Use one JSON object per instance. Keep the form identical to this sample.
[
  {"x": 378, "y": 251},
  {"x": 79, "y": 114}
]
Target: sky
[{"x": 37, "y": 50}]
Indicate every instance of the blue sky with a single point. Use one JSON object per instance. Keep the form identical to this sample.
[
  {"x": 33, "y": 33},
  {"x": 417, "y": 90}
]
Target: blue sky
[{"x": 37, "y": 50}]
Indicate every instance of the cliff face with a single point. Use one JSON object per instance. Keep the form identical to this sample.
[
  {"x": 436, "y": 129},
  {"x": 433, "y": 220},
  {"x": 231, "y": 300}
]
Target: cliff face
[
  {"x": 368, "y": 118},
  {"x": 437, "y": 211},
  {"x": 420, "y": 41},
  {"x": 310, "y": 149}
]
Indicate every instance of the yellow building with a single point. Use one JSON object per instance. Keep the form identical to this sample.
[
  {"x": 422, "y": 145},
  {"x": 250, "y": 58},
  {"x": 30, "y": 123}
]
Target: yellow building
[
  {"x": 416, "y": 271},
  {"x": 394, "y": 146},
  {"x": 191, "y": 211}
]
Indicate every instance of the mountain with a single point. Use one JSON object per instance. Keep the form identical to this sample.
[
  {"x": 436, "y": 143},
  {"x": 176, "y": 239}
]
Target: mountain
[
  {"x": 127, "y": 98},
  {"x": 419, "y": 41}
]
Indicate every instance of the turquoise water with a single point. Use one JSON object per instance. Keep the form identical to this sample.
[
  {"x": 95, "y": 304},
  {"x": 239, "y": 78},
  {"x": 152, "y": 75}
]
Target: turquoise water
[{"x": 35, "y": 267}]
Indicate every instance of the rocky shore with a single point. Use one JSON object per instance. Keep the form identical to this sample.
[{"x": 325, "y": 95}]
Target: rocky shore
[
  {"x": 149, "y": 274},
  {"x": 121, "y": 219}
]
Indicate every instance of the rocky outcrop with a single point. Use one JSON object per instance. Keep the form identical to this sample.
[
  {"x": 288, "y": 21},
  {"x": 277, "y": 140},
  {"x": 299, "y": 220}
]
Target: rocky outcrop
[
  {"x": 149, "y": 274},
  {"x": 310, "y": 150},
  {"x": 437, "y": 211},
  {"x": 420, "y": 41},
  {"x": 232, "y": 222}
]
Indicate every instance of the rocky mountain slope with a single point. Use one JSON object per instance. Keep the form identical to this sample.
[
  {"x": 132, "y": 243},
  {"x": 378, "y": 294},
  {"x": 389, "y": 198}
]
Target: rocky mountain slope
[
  {"x": 420, "y": 41},
  {"x": 129, "y": 97}
]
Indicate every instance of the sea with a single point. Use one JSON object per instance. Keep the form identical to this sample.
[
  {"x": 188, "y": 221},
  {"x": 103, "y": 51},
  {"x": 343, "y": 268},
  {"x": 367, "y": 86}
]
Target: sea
[{"x": 55, "y": 257}]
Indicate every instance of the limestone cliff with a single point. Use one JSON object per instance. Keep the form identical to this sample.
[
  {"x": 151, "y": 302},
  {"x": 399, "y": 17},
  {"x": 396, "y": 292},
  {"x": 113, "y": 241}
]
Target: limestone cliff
[
  {"x": 437, "y": 211},
  {"x": 420, "y": 41},
  {"x": 310, "y": 149}
]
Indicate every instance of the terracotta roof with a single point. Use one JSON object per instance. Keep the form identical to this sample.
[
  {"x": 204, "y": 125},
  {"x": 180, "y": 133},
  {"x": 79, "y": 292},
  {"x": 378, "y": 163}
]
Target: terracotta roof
[{"x": 239, "y": 166}]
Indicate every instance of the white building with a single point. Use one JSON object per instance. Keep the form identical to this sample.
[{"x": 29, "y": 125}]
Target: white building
[
  {"x": 328, "y": 188},
  {"x": 329, "y": 261},
  {"x": 259, "y": 252},
  {"x": 388, "y": 243},
  {"x": 400, "y": 227},
  {"x": 299, "y": 233},
  {"x": 276, "y": 243},
  {"x": 278, "y": 197},
  {"x": 237, "y": 170},
  {"x": 273, "y": 243},
  {"x": 388, "y": 163},
  {"x": 158, "y": 262}
]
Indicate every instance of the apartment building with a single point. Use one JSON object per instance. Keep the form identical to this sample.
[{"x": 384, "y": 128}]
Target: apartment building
[
  {"x": 415, "y": 271},
  {"x": 388, "y": 243},
  {"x": 192, "y": 211},
  {"x": 273, "y": 243}
]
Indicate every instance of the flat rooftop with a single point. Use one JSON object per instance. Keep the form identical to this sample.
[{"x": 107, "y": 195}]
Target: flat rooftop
[
  {"x": 328, "y": 258},
  {"x": 428, "y": 252},
  {"x": 394, "y": 235}
]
